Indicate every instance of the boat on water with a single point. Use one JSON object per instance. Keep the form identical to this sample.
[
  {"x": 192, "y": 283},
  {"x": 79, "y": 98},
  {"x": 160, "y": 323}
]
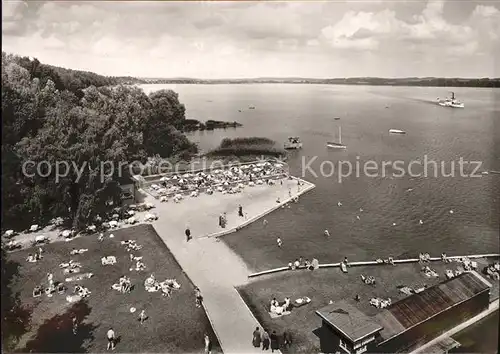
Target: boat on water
[
  {"x": 337, "y": 145},
  {"x": 451, "y": 102},
  {"x": 396, "y": 131},
  {"x": 292, "y": 143},
  {"x": 251, "y": 107}
]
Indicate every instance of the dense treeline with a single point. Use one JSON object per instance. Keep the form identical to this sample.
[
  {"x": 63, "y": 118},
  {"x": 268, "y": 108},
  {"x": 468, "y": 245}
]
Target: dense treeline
[
  {"x": 53, "y": 116},
  {"x": 431, "y": 82},
  {"x": 66, "y": 79},
  {"x": 194, "y": 125},
  {"x": 246, "y": 147}
]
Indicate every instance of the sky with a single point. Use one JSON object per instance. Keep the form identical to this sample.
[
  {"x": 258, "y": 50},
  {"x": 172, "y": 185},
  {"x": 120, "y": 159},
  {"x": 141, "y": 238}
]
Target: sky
[{"x": 317, "y": 39}]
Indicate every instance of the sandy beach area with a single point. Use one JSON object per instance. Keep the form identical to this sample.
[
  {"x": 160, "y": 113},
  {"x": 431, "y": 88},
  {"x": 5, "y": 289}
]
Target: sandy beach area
[{"x": 201, "y": 214}]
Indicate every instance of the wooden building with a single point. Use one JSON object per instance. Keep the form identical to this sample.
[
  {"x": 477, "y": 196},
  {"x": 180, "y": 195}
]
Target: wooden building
[
  {"x": 128, "y": 187},
  {"x": 407, "y": 324},
  {"x": 419, "y": 318},
  {"x": 346, "y": 329}
]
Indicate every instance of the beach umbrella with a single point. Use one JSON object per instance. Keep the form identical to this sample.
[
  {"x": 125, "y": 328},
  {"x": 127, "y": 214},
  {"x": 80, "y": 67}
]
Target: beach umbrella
[
  {"x": 186, "y": 175},
  {"x": 163, "y": 179},
  {"x": 66, "y": 233},
  {"x": 175, "y": 177}
]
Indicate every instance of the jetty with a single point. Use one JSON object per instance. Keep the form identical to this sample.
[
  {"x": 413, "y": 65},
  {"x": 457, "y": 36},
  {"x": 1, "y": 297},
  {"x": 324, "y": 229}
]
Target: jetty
[{"x": 377, "y": 263}]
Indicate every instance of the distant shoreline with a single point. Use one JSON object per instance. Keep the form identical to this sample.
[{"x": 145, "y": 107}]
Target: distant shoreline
[{"x": 419, "y": 82}]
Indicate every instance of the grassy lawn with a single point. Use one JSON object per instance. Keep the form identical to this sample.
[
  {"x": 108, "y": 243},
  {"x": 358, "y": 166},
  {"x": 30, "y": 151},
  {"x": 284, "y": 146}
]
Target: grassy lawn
[
  {"x": 323, "y": 285},
  {"x": 174, "y": 324}
]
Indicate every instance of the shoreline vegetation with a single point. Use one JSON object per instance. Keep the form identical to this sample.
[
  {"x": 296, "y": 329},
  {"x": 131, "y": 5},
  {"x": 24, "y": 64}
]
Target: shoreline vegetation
[
  {"x": 52, "y": 115},
  {"x": 369, "y": 81},
  {"x": 248, "y": 147},
  {"x": 192, "y": 125}
]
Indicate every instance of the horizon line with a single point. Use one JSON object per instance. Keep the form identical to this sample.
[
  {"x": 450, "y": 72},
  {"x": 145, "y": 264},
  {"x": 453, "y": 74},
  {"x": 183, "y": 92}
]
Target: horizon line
[{"x": 316, "y": 78}]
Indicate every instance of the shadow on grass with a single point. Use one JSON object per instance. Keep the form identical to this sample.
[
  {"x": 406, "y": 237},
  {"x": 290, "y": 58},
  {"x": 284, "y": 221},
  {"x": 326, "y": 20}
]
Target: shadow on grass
[
  {"x": 15, "y": 317},
  {"x": 56, "y": 334}
]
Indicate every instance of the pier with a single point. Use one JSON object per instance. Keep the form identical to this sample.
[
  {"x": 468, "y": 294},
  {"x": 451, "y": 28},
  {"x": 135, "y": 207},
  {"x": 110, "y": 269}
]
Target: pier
[{"x": 377, "y": 263}]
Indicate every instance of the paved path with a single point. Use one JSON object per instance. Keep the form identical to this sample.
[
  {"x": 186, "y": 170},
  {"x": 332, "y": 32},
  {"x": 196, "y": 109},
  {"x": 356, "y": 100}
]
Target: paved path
[{"x": 216, "y": 270}]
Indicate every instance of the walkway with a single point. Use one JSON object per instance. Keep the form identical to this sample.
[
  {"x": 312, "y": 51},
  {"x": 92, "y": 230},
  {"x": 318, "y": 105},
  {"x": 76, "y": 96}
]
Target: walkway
[{"x": 212, "y": 266}]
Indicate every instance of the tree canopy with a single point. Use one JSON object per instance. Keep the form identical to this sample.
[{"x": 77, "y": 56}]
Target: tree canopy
[{"x": 57, "y": 118}]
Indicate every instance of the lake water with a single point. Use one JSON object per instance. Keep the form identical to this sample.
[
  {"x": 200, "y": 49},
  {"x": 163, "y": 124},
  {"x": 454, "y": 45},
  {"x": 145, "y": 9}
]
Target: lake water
[{"x": 443, "y": 134}]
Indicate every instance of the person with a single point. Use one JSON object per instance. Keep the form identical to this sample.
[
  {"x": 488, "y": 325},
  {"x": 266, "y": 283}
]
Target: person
[
  {"x": 188, "y": 234},
  {"x": 345, "y": 261},
  {"x": 208, "y": 344},
  {"x": 220, "y": 220},
  {"x": 265, "y": 222},
  {"x": 296, "y": 263},
  {"x": 357, "y": 298},
  {"x": 111, "y": 339},
  {"x": 198, "y": 296},
  {"x": 37, "y": 291},
  {"x": 326, "y": 233},
  {"x": 75, "y": 325},
  {"x": 240, "y": 211},
  {"x": 287, "y": 304},
  {"x": 142, "y": 316},
  {"x": 265, "y": 340},
  {"x": 287, "y": 339},
  {"x": 289, "y": 192},
  {"x": 256, "y": 338},
  {"x": 274, "y": 342},
  {"x": 274, "y": 302},
  {"x": 279, "y": 242}
]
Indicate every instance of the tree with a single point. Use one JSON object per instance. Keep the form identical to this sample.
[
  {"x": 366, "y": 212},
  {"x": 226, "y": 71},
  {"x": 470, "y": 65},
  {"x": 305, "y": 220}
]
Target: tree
[
  {"x": 84, "y": 132},
  {"x": 161, "y": 134}
]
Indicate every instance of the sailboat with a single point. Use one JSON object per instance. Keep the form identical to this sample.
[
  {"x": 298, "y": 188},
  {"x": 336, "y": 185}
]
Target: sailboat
[{"x": 339, "y": 145}]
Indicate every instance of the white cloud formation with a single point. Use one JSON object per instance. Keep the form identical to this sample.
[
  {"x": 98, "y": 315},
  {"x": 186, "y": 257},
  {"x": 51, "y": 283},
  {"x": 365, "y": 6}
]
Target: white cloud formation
[{"x": 242, "y": 39}]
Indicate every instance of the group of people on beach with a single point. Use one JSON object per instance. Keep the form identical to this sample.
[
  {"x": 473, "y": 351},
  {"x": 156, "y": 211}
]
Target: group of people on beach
[
  {"x": 220, "y": 178},
  {"x": 300, "y": 264},
  {"x": 265, "y": 339}
]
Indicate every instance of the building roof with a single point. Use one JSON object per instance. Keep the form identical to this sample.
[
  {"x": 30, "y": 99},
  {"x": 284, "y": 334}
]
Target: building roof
[
  {"x": 418, "y": 308},
  {"x": 354, "y": 324}
]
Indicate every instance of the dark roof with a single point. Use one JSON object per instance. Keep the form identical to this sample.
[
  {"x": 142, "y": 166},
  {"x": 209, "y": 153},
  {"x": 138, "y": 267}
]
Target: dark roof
[
  {"x": 417, "y": 308},
  {"x": 124, "y": 179},
  {"x": 349, "y": 320}
]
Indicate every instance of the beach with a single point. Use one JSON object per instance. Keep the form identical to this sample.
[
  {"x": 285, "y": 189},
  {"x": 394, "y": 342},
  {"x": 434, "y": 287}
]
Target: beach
[{"x": 201, "y": 214}]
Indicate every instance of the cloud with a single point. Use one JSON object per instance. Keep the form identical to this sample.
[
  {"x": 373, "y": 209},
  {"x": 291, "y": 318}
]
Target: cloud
[{"x": 223, "y": 39}]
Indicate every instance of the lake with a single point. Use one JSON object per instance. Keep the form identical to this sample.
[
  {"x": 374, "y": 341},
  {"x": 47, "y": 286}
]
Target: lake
[{"x": 366, "y": 114}]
